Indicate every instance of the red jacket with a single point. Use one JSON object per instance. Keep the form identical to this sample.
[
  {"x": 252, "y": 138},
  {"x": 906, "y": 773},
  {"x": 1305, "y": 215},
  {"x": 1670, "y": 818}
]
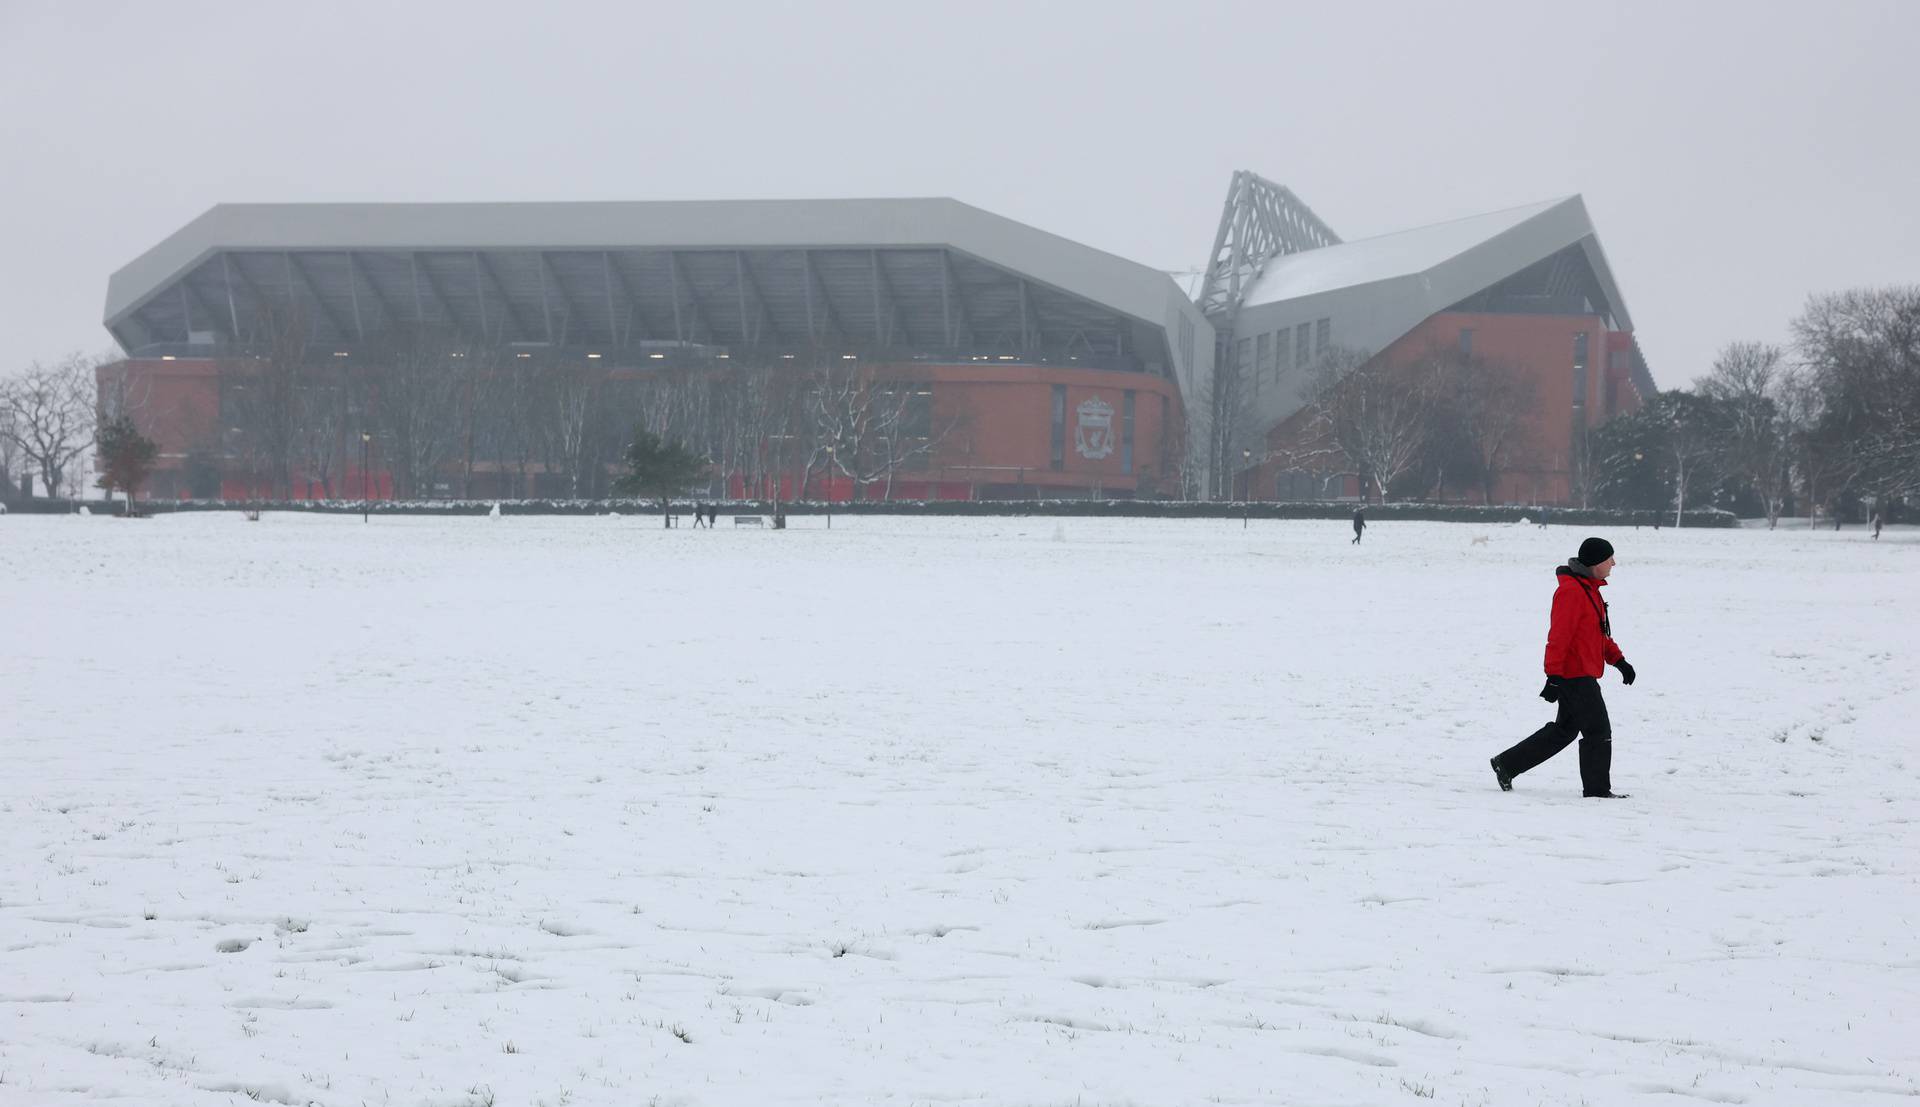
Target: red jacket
[{"x": 1577, "y": 641}]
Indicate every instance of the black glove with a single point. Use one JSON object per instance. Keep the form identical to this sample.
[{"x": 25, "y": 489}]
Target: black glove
[
  {"x": 1626, "y": 671},
  {"x": 1551, "y": 693}
]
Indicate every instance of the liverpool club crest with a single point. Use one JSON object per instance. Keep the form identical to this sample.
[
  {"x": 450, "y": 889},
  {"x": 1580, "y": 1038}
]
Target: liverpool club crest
[{"x": 1093, "y": 433}]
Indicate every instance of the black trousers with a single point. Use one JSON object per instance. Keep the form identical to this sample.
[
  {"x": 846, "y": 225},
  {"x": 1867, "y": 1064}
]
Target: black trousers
[{"x": 1583, "y": 715}]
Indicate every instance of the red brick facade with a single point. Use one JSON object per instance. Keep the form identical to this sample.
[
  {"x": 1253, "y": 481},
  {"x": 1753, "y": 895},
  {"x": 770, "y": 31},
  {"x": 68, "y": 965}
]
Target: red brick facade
[
  {"x": 1544, "y": 349},
  {"x": 995, "y": 421}
]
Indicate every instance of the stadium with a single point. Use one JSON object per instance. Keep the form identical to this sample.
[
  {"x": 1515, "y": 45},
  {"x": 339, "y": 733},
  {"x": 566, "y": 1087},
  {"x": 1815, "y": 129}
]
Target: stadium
[{"x": 817, "y": 349}]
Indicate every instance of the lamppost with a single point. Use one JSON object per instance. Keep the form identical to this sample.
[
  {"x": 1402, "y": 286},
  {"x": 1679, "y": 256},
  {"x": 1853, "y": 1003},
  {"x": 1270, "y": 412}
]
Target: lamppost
[
  {"x": 1638, "y": 457},
  {"x": 827, "y": 486},
  {"x": 366, "y": 441},
  {"x": 1246, "y": 458}
]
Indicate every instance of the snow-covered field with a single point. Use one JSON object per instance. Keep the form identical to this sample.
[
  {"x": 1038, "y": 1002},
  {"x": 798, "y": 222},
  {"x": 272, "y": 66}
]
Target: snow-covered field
[{"x": 550, "y": 811}]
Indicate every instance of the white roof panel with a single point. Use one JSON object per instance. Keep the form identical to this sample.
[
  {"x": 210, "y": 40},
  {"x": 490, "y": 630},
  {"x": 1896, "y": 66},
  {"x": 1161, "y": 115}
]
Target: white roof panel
[
  {"x": 1122, "y": 285},
  {"x": 1386, "y": 256}
]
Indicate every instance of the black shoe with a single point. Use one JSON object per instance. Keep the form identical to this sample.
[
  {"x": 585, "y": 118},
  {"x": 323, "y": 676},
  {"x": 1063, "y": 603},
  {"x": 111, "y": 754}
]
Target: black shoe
[
  {"x": 1608, "y": 795},
  {"x": 1499, "y": 774}
]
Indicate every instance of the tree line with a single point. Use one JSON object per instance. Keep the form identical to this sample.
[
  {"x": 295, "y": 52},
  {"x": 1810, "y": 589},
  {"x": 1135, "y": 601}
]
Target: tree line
[
  {"x": 440, "y": 407},
  {"x": 1407, "y": 428},
  {"x": 1827, "y": 422},
  {"x": 440, "y": 412}
]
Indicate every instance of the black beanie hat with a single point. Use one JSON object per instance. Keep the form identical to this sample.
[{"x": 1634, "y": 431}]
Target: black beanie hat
[{"x": 1594, "y": 550}]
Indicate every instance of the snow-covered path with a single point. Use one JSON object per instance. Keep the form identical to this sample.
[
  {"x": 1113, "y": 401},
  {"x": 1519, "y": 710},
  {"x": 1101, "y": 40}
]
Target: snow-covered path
[{"x": 549, "y": 811}]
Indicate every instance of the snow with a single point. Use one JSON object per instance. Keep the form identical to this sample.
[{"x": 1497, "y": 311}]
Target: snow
[
  {"x": 1382, "y": 257},
  {"x": 1095, "y": 811}
]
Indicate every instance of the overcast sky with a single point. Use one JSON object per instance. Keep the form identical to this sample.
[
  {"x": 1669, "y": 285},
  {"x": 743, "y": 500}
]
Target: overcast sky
[{"x": 1734, "y": 158}]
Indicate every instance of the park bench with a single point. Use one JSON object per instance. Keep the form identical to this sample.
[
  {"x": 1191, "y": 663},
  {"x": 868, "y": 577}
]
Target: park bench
[{"x": 748, "y": 521}]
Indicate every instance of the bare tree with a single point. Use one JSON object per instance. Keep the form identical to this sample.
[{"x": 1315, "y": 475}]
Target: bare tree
[
  {"x": 760, "y": 417},
  {"x": 510, "y": 414},
  {"x": 1748, "y": 380},
  {"x": 320, "y": 417},
  {"x": 414, "y": 398},
  {"x": 50, "y": 416},
  {"x": 1862, "y": 348},
  {"x": 741, "y": 423},
  {"x": 1377, "y": 413},
  {"x": 1695, "y": 438},
  {"x": 1175, "y": 469},
  {"x": 9, "y": 447},
  {"x": 1233, "y": 431},
  {"x": 480, "y": 364},
  {"x": 866, "y": 427},
  {"x": 781, "y": 413},
  {"x": 122, "y": 391},
  {"x": 1491, "y": 404},
  {"x": 911, "y": 434},
  {"x": 261, "y": 393},
  {"x": 572, "y": 397},
  {"x": 1814, "y": 461}
]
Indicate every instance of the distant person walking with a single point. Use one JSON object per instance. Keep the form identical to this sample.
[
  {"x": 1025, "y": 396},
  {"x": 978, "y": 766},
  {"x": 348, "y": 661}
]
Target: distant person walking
[
  {"x": 1359, "y": 523},
  {"x": 1579, "y": 647},
  {"x": 699, "y": 515},
  {"x": 1877, "y": 522}
]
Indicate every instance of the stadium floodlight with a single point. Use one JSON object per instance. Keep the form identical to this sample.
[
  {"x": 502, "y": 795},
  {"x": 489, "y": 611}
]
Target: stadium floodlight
[
  {"x": 594, "y": 357},
  {"x": 657, "y": 357},
  {"x": 166, "y": 357},
  {"x": 339, "y": 353}
]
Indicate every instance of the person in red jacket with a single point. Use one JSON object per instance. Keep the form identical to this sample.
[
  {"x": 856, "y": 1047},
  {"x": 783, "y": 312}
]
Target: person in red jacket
[{"x": 1580, "y": 646}]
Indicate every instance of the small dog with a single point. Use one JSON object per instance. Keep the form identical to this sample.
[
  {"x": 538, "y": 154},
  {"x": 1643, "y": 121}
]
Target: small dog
[{"x": 1478, "y": 540}]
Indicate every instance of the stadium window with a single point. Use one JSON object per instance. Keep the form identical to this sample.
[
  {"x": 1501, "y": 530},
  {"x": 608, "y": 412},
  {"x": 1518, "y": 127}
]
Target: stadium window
[
  {"x": 1302, "y": 350},
  {"x": 1466, "y": 341},
  {"x": 1126, "y": 432},
  {"x": 1281, "y": 362},
  {"x": 1322, "y": 337},
  {"x": 1262, "y": 355},
  {"x": 1059, "y": 456},
  {"x": 1580, "y": 369}
]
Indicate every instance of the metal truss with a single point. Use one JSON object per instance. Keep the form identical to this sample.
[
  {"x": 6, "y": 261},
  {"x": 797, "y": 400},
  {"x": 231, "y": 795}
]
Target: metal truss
[{"x": 1261, "y": 221}]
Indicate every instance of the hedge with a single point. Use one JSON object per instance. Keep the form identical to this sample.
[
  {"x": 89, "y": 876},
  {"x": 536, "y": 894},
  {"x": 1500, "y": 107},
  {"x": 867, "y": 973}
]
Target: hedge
[{"x": 1137, "y": 509}]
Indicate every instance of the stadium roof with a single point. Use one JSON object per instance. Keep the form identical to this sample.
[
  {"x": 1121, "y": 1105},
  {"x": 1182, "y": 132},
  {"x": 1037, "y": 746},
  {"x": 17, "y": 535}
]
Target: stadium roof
[
  {"x": 1456, "y": 258},
  {"x": 932, "y": 274},
  {"x": 1543, "y": 257}
]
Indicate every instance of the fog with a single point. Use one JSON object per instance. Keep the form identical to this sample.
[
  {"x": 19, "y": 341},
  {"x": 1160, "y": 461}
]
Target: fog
[{"x": 1734, "y": 160}]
